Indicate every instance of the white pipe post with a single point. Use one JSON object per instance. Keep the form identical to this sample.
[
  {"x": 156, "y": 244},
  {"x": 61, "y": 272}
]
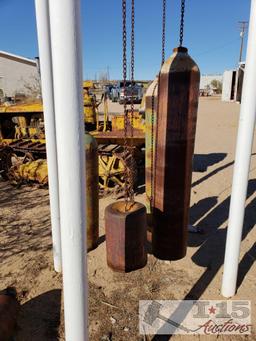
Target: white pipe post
[
  {"x": 67, "y": 77},
  {"x": 44, "y": 45},
  {"x": 242, "y": 164}
]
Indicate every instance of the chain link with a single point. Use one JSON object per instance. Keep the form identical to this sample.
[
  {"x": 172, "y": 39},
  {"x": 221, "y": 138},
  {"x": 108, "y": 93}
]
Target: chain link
[
  {"x": 163, "y": 31},
  {"x": 182, "y": 21},
  {"x": 132, "y": 64},
  {"x": 126, "y": 184},
  {"x": 152, "y": 154},
  {"x": 152, "y": 151},
  {"x": 133, "y": 162},
  {"x": 130, "y": 164}
]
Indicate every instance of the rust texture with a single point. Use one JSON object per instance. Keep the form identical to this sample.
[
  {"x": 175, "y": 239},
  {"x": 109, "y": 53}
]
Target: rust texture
[
  {"x": 9, "y": 308},
  {"x": 151, "y": 98},
  {"x": 150, "y": 112},
  {"x": 176, "y": 127},
  {"x": 92, "y": 193},
  {"x": 125, "y": 236}
]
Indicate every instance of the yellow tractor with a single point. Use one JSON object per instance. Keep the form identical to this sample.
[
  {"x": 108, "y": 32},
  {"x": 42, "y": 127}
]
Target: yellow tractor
[
  {"x": 90, "y": 106},
  {"x": 23, "y": 150}
]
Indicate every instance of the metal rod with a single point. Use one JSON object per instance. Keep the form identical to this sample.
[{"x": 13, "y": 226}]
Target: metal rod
[
  {"x": 67, "y": 76},
  {"x": 242, "y": 164},
  {"x": 243, "y": 25},
  {"x": 44, "y": 45}
]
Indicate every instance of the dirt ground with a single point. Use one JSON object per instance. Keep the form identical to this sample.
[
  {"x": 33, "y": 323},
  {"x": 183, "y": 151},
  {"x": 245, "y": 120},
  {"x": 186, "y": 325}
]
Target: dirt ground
[{"x": 26, "y": 256}]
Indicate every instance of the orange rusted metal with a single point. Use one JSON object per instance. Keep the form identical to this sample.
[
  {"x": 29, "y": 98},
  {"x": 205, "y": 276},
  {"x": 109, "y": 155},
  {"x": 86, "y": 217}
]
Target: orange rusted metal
[
  {"x": 178, "y": 94},
  {"x": 9, "y": 308},
  {"x": 125, "y": 236}
]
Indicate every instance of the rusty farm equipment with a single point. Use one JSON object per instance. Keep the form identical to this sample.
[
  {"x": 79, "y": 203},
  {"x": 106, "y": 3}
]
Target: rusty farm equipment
[{"x": 23, "y": 148}]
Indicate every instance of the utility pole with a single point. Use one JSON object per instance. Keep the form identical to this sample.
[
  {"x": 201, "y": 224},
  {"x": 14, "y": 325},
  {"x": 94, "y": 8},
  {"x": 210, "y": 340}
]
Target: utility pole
[
  {"x": 243, "y": 27},
  {"x": 108, "y": 74}
]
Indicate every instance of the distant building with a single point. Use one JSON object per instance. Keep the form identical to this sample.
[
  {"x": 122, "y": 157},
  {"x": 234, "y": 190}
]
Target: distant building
[
  {"x": 229, "y": 84},
  {"x": 206, "y": 87},
  {"x": 18, "y": 75},
  {"x": 233, "y": 84}
]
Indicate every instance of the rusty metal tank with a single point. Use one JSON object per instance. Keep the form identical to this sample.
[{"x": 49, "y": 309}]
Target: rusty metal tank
[
  {"x": 125, "y": 236},
  {"x": 178, "y": 94},
  {"x": 9, "y": 308},
  {"x": 92, "y": 192}
]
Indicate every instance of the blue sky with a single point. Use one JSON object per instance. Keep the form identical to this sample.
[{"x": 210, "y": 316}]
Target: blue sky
[{"x": 211, "y": 33}]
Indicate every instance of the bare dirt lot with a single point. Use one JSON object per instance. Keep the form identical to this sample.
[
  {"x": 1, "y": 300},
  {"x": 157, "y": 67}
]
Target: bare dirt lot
[{"x": 26, "y": 257}]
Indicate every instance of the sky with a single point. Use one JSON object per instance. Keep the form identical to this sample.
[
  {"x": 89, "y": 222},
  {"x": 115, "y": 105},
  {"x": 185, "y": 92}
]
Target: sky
[{"x": 211, "y": 33}]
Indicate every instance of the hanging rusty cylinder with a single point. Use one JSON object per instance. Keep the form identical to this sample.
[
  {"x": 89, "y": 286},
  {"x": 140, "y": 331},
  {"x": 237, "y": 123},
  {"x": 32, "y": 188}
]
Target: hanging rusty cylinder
[
  {"x": 92, "y": 193},
  {"x": 178, "y": 94},
  {"x": 9, "y": 308},
  {"x": 126, "y": 236},
  {"x": 151, "y": 98},
  {"x": 126, "y": 220}
]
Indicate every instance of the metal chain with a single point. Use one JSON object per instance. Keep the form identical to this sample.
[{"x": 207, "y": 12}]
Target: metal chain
[
  {"x": 132, "y": 178},
  {"x": 126, "y": 185},
  {"x": 130, "y": 164},
  {"x": 163, "y": 31},
  {"x": 182, "y": 21},
  {"x": 152, "y": 146},
  {"x": 132, "y": 63},
  {"x": 152, "y": 152}
]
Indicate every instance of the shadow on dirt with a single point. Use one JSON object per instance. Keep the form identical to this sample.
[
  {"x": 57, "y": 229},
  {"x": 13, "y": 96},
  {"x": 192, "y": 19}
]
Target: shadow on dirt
[
  {"x": 211, "y": 253},
  {"x": 39, "y": 318},
  {"x": 202, "y": 161},
  {"x": 18, "y": 210}
]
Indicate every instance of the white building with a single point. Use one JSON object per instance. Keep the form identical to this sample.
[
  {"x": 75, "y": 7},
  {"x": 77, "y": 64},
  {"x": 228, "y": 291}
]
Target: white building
[
  {"x": 229, "y": 84},
  {"x": 206, "y": 80},
  {"x": 233, "y": 84},
  {"x": 17, "y": 75}
]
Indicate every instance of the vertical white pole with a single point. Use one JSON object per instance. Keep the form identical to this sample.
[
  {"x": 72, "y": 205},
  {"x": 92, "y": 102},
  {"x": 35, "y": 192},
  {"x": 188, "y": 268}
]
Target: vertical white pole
[
  {"x": 44, "y": 45},
  {"x": 67, "y": 77},
  {"x": 242, "y": 164}
]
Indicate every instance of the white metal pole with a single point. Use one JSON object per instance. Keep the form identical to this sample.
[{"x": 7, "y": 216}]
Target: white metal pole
[
  {"x": 44, "y": 45},
  {"x": 67, "y": 77},
  {"x": 242, "y": 164}
]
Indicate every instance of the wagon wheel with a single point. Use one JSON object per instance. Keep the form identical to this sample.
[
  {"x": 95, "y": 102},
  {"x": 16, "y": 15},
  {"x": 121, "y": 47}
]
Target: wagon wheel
[{"x": 111, "y": 173}]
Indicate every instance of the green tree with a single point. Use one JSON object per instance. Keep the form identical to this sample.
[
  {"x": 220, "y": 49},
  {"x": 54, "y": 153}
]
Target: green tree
[{"x": 217, "y": 85}]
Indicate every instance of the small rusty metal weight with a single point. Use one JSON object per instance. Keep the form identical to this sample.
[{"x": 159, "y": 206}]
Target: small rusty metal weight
[
  {"x": 178, "y": 94},
  {"x": 125, "y": 236},
  {"x": 9, "y": 308}
]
